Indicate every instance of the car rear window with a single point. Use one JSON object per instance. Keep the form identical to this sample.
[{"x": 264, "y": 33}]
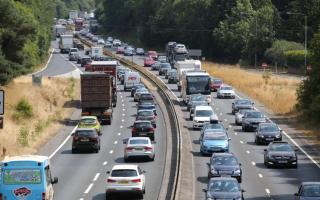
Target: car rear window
[
  {"x": 124, "y": 173},
  {"x": 145, "y": 113},
  {"x": 88, "y": 121},
  {"x": 140, "y": 141},
  {"x": 86, "y": 133},
  {"x": 146, "y": 96},
  {"x": 142, "y": 124}
]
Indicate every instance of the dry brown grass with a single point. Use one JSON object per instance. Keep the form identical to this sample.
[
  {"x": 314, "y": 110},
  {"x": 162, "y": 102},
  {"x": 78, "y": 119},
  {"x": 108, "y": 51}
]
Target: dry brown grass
[
  {"x": 279, "y": 94},
  {"x": 47, "y": 101}
]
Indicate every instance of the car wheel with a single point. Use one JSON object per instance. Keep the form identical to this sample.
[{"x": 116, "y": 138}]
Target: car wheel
[
  {"x": 140, "y": 196},
  {"x": 152, "y": 159},
  {"x": 242, "y": 128},
  {"x": 152, "y": 138},
  {"x": 125, "y": 159},
  {"x": 240, "y": 179},
  {"x": 191, "y": 118},
  {"x": 256, "y": 141},
  {"x": 73, "y": 151}
]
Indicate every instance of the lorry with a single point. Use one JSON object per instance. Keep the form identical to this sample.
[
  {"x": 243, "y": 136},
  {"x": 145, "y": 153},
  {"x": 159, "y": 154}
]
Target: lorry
[
  {"x": 97, "y": 96},
  {"x": 59, "y": 30},
  {"x": 78, "y": 24},
  {"x": 26, "y": 177},
  {"x": 130, "y": 79},
  {"x": 107, "y": 67},
  {"x": 174, "y": 52},
  {"x": 187, "y": 65},
  {"x": 66, "y": 43}
]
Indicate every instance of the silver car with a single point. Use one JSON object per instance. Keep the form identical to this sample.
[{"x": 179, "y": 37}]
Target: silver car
[
  {"x": 239, "y": 115},
  {"x": 138, "y": 93},
  {"x": 139, "y": 147}
]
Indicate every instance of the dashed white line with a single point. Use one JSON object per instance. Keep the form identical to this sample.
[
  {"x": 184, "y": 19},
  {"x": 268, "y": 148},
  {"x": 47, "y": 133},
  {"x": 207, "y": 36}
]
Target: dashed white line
[
  {"x": 235, "y": 133},
  {"x": 116, "y": 142},
  {"x": 121, "y": 126},
  {"x": 253, "y": 163},
  {"x": 260, "y": 175},
  {"x": 123, "y": 114},
  {"x": 230, "y": 126},
  {"x": 119, "y": 133},
  {"x": 122, "y": 120},
  {"x": 123, "y": 105},
  {"x": 122, "y": 100},
  {"x": 104, "y": 163},
  {"x": 121, "y": 97},
  {"x": 220, "y": 114},
  {"x": 89, "y": 188},
  {"x": 248, "y": 152},
  {"x": 111, "y": 152},
  {"x": 96, "y": 177},
  {"x": 123, "y": 109},
  {"x": 225, "y": 120},
  {"x": 268, "y": 192},
  {"x": 241, "y": 141}
]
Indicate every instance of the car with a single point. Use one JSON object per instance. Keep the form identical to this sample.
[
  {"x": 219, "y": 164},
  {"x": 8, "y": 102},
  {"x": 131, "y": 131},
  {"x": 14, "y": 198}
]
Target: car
[
  {"x": 153, "y": 55},
  {"x": 126, "y": 179},
  {"x": 120, "y": 50},
  {"x": 95, "y": 39},
  {"x": 201, "y": 116},
  {"x": 252, "y": 119},
  {"x": 166, "y": 75},
  {"x": 147, "y": 115},
  {"x": 239, "y": 115},
  {"x": 85, "y": 138},
  {"x": 280, "y": 154},
  {"x": 134, "y": 89},
  {"x": 108, "y": 44},
  {"x": 173, "y": 77},
  {"x": 110, "y": 39},
  {"x": 194, "y": 98},
  {"x": 145, "y": 105},
  {"x": 180, "y": 48},
  {"x": 146, "y": 97},
  {"x": 223, "y": 188},
  {"x": 85, "y": 60},
  {"x": 225, "y": 91},
  {"x": 213, "y": 141},
  {"x": 143, "y": 128},
  {"x": 138, "y": 92},
  {"x": 116, "y": 43},
  {"x": 101, "y": 41},
  {"x": 267, "y": 132},
  {"x": 308, "y": 191},
  {"x": 74, "y": 56},
  {"x": 155, "y": 66},
  {"x": 163, "y": 68},
  {"x": 215, "y": 84},
  {"x": 224, "y": 164},
  {"x": 73, "y": 50},
  {"x": 140, "y": 51},
  {"x": 194, "y": 105},
  {"x": 90, "y": 122},
  {"x": 128, "y": 52},
  {"x": 162, "y": 59},
  {"x": 148, "y": 62},
  {"x": 137, "y": 147},
  {"x": 241, "y": 104}
]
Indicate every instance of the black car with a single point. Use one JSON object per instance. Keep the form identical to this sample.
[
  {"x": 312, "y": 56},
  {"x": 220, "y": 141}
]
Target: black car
[
  {"x": 85, "y": 60},
  {"x": 241, "y": 104},
  {"x": 267, "y": 132},
  {"x": 163, "y": 68},
  {"x": 280, "y": 154},
  {"x": 135, "y": 87},
  {"x": 147, "y": 106},
  {"x": 85, "y": 138},
  {"x": 224, "y": 188},
  {"x": 143, "y": 129},
  {"x": 308, "y": 191},
  {"x": 252, "y": 119},
  {"x": 224, "y": 164},
  {"x": 172, "y": 78}
]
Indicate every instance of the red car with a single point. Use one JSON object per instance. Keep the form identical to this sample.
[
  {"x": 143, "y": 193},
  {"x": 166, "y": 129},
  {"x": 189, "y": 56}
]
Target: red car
[
  {"x": 148, "y": 62},
  {"x": 153, "y": 55},
  {"x": 215, "y": 84},
  {"x": 120, "y": 50}
]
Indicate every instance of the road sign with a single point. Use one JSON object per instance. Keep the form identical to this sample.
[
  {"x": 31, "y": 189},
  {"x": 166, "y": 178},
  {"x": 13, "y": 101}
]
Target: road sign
[{"x": 1, "y": 102}]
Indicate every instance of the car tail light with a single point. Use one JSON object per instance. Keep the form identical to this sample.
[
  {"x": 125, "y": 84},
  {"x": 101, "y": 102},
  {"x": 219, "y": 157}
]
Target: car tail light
[
  {"x": 151, "y": 129},
  {"x": 136, "y": 180},
  {"x": 75, "y": 138},
  {"x": 0, "y": 196},
  {"x": 111, "y": 180},
  {"x": 43, "y": 196},
  {"x": 129, "y": 148},
  {"x": 94, "y": 138},
  {"x": 148, "y": 148},
  {"x": 133, "y": 130}
]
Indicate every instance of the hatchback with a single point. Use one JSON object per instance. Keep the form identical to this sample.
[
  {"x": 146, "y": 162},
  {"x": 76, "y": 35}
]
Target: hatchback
[
  {"x": 147, "y": 115},
  {"x": 137, "y": 147},
  {"x": 85, "y": 138}
]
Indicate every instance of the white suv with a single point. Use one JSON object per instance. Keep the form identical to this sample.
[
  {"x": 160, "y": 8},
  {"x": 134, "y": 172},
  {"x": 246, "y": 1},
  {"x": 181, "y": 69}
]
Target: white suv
[
  {"x": 202, "y": 115},
  {"x": 126, "y": 179}
]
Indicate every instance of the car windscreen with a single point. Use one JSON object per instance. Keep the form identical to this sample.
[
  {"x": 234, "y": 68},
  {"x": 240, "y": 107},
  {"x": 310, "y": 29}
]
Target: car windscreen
[
  {"x": 215, "y": 137},
  {"x": 217, "y": 81},
  {"x": 268, "y": 128},
  {"x": 242, "y": 111},
  {"x": 204, "y": 113},
  {"x": 124, "y": 173},
  {"x": 224, "y": 160},
  {"x": 139, "y": 141},
  {"x": 224, "y": 186},
  {"x": 21, "y": 176},
  {"x": 254, "y": 115},
  {"x": 146, "y": 96},
  {"x": 311, "y": 190},
  {"x": 280, "y": 147},
  {"x": 85, "y": 133}
]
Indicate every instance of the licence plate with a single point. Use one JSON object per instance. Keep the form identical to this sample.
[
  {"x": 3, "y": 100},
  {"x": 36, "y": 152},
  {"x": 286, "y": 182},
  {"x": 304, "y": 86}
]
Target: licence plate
[
  {"x": 123, "y": 182},
  {"x": 138, "y": 149},
  {"x": 269, "y": 139},
  {"x": 84, "y": 140},
  {"x": 282, "y": 161}
]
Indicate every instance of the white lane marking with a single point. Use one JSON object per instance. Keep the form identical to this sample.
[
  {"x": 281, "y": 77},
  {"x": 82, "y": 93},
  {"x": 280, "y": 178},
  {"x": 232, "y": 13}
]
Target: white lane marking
[
  {"x": 241, "y": 141},
  {"x": 45, "y": 67},
  {"x": 217, "y": 108},
  {"x": 220, "y": 114},
  {"x": 81, "y": 199},
  {"x": 268, "y": 192},
  {"x": 116, "y": 142},
  {"x": 123, "y": 114},
  {"x": 104, "y": 163},
  {"x": 248, "y": 152},
  {"x": 293, "y": 141},
  {"x": 122, "y": 120},
  {"x": 63, "y": 143},
  {"x": 122, "y": 100},
  {"x": 120, "y": 93},
  {"x": 235, "y": 133},
  {"x": 96, "y": 177},
  {"x": 260, "y": 175},
  {"x": 230, "y": 126},
  {"x": 123, "y": 109},
  {"x": 121, "y": 97},
  {"x": 111, "y": 152},
  {"x": 123, "y": 105},
  {"x": 121, "y": 126},
  {"x": 253, "y": 163},
  {"x": 225, "y": 120},
  {"x": 119, "y": 133},
  {"x": 89, "y": 188}
]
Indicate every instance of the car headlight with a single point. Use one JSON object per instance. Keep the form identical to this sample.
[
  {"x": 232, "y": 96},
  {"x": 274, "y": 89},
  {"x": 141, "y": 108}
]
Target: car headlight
[
  {"x": 213, "y": 171},
  {"x": 278, "y": 136},
  {"x": 237, "y": 171},
  {"x": 262, "y": 136}
]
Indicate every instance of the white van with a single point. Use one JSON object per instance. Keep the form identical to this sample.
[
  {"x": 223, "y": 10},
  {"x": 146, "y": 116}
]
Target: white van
[
  {"x": 96, "y": 51},
  {"x": 131, "y": 79},
  {"x": 202, "y": 115}
]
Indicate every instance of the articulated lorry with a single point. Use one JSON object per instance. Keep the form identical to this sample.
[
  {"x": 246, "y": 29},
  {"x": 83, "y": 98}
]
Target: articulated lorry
[{"x": 97, "y": 96}]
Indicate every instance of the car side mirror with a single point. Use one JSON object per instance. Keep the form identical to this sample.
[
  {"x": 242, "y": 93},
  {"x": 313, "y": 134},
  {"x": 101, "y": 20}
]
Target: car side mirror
[
  {"x": 243, "y": 190},
  {"x": 124, "y": 141},
  {"x": 108, "y": 172},
  {"x": 281, "y": 130},
  {"x": 55, "y": 180},
  {"x": 296, "y": 149},
  {"x": 229, "y": 139},
  {"x": 227, "y": 128},
  {"x": 232, "y": 103},
  {"x": 240, "y": 164},
  {"x": 264, "y": 150},
  {"x": 208, "y": 164},
  {"x": 204, "y": 190}
]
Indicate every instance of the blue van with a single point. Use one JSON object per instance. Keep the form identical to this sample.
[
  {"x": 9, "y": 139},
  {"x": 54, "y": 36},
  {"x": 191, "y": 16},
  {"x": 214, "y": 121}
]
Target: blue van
[{"x": 26, "y": 177}]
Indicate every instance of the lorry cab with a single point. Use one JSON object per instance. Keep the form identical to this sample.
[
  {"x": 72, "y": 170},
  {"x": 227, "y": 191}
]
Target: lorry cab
[{"x": 26, "y": 177}]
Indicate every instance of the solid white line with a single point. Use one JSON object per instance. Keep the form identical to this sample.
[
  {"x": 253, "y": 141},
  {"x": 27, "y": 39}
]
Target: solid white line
[
  {"x": 63, "y": 143},
  {"x": 89, "y": 188},
  {"x": 260, "y": 175},
  {"x": 96, "y": 177},
  {"x": 248, "y": 152},
  {"x": 268, "y": 192},
  {"x": 104, "y": 163},
  {"x": 111, "y": 152},
  {"x": 253, "y": 163},
  {"x": 45, "y": 67}
]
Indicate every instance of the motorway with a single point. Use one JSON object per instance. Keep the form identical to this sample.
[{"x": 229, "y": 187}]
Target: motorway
[
  {"x": 259, "y": 182},
  {"x": 83, "y": 176}
]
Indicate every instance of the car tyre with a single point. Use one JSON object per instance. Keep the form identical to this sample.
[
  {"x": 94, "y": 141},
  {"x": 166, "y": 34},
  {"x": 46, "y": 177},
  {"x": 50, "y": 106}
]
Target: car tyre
[
  {"x": 73, "y": 151},
  {"x": 240, "y": 179},
  {"x": 140, "y": 196},
  {"x": 126, "y": 159},
  {"x": 152, "y": 159}
]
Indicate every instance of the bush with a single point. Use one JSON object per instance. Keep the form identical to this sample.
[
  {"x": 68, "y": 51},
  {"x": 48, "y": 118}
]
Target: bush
[
  {"x": 23, "y": 138},
  {"x": 295, "y": 58},
  {"x": 23, "y": 110}
]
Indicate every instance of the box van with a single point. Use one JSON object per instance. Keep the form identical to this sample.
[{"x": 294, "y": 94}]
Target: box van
[
  {"x": 131, "y": 79},
  {"x": 96, "y": 51},
  {"x": 26, "y": 177}
]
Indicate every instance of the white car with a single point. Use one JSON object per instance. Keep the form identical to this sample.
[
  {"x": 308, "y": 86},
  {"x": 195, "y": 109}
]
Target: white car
[
  {"x": 101, "y": 41},
  {"x": 116, "y": 43},
  {"x": 139, "y": 147},
  {"x": 239, "y": 115},
  {"x": 202, "y": 115},
  {"x": 180, "y": 48},
  {"x": 126, "y": 179},
  {"x": 225, "y": 91}
]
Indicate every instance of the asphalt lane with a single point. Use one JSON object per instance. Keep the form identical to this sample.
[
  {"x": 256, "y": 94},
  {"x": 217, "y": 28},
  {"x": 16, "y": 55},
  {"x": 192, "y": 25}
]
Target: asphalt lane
[
  {"x": 83, "y": 175},
  {"x": 258, "y": 181}
]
